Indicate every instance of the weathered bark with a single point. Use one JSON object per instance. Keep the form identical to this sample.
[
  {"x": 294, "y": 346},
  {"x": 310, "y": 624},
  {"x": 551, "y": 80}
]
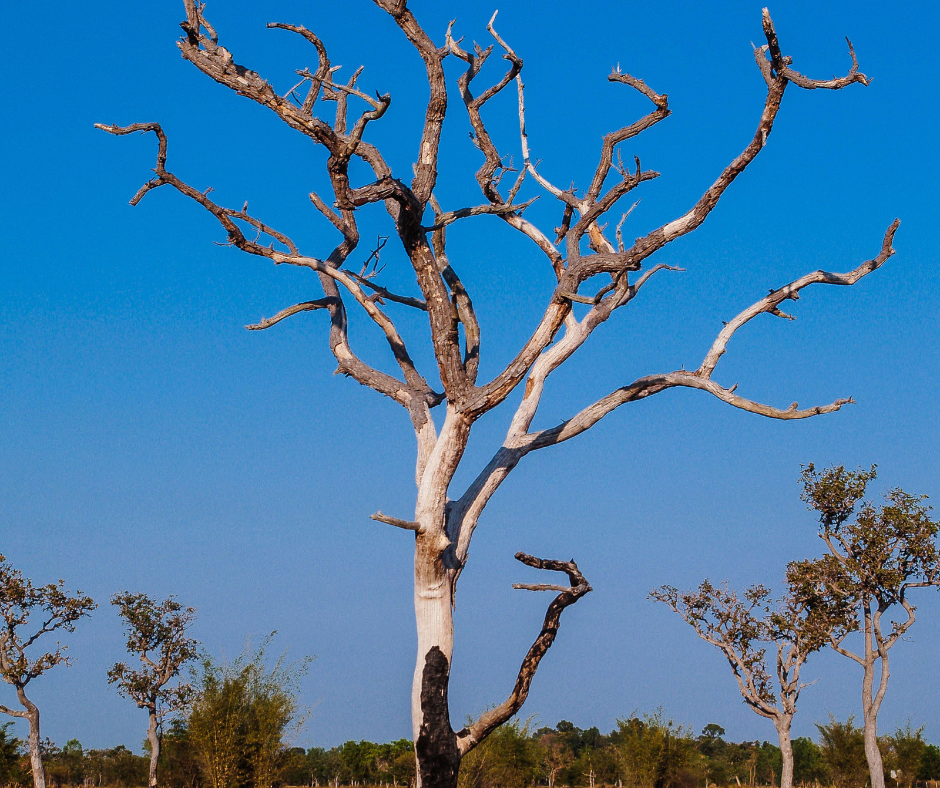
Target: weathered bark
[
  {"x": 153, "y": 736},
  {"x": 783, "y": 723},
  {"x": 438, "y": 759}
]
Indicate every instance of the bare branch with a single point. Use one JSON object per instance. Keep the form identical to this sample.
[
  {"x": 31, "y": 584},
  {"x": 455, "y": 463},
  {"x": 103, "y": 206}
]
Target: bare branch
[
  {"x": 408, "y": 525},
  {"x": 791, "y": 291},
  {"x": 472, "y": 735},
  {"x": 306, "y": 306}
]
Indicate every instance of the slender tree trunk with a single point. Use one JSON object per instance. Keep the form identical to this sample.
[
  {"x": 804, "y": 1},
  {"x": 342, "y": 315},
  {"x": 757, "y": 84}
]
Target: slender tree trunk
[
  {"x": 870, "y": 701},
  {"x": 153, "y": 737},
  {"x": 870, "y": 716},
  {"x": 786, "y": 750},
  {"x": 34, "y": 741}
]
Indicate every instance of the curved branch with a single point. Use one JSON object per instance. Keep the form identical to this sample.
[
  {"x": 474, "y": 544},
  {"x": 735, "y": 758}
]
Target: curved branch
[
  {"x": 306, "y": 306},
  {"x": 404, "y": 393},
  {"x": 771, "y": 302},
  {"x": 477, "y": 731}
]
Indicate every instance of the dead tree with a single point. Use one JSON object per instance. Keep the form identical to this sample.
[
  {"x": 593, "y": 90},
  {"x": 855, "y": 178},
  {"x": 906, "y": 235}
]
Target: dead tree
[
  {"x": 742, "y": 627},
  {"x": 157, "y": 635},
  {"x": 28, "y": 612},
  {"x": 875, "y": 558},
  {"x": 444, "y": 521}
]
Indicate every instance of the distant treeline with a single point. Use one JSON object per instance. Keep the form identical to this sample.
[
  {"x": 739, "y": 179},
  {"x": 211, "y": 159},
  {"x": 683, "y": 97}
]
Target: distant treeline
[{"x": 646, "y": 751}]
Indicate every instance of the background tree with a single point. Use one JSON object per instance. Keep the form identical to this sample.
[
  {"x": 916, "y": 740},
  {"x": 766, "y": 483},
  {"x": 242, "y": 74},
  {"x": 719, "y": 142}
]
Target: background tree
[
  {"x": 157, "y": 634},
  {"x": 843, "y": 750},
  {"x": 875, "y": 558},
  {"x": 242, "y": 718},
  {"x": 577, "y": 251},
  {"x": 10, "y": 772},
  {"x": 906, "y": 751},
  {"x": 28, "y": 612},
  {"x": 739, "y": 626},
  {"x": 653, "y": 751}
]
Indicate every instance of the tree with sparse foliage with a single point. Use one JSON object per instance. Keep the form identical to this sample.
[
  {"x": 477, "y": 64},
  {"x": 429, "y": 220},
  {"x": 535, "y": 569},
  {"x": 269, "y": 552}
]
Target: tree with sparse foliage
[
  {"x": 27, "y": 613},
  {"x": 157, "y": 634},
  {"x": 578, "y": 253},
  {"x": 741, "y": 627},
  {"x": 877, "y": 555}
]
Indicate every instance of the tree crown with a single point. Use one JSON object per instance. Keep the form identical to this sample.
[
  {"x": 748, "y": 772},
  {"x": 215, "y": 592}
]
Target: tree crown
[{"x": 28, "y": 612}]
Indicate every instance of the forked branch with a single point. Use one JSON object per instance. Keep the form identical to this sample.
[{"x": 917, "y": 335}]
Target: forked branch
[{"x": 473, "y": 734}]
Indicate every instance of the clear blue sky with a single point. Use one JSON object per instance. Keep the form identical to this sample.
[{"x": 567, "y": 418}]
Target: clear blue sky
[{"x": 151, "y": 443}]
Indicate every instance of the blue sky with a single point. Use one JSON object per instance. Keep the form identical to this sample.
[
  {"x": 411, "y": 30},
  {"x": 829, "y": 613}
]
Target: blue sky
[{"x": 151, "y": 443}]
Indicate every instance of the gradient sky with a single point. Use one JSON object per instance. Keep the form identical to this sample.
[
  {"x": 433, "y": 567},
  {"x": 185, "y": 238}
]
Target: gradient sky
[{"x": 151, "y": 443}]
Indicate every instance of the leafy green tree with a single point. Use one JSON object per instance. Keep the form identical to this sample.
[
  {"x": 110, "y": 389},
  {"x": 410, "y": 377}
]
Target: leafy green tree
[
  {"x": 876, "y": 556},
  {"x": 243, "y": 716},
  {"x": 508, "y": 758},
  {"x": 179, "y": 765},
  {"x": 905, "y": 754},
  {"x": 157, "y": 634},
  {"x": 930, "y": 763},
  {"x": 653, "y": 751},
  {"x": 117, "y": 767},
  {"x": 10, "y": 771},
  {"x": 28, "y": 612},
  {"x": 809, "y": 765},
  {"x": 843, "y": 750}
]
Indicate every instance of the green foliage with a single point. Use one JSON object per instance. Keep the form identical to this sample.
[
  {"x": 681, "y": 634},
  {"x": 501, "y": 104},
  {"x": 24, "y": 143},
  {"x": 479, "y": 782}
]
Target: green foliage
[
  {"x": 843, "y": 750},
  {"x": 930, "y": 763},
  {"x": 11, "y": 771},
  {"x": 243, "y": 717},
  {"x": 507, "y": 758},
  {"x": 653, "y": 752},
  {"x": 156, "y": 634},
  {"x": 809, "y": 766},
  {"x": 904, "y": 752},
  {"x": 72, "y": 766}
]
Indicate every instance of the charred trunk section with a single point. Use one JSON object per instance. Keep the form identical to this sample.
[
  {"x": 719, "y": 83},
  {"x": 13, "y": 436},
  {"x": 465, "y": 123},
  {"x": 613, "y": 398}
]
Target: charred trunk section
[{"x": 436, "y": 745}]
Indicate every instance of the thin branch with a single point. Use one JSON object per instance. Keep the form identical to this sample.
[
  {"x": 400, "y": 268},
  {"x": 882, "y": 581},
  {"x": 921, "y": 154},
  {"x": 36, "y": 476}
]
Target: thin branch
[
  {"x": 478, "y": 210},
  {"x": 414, "y": 385},
  {"x": 791, "y": 291},
  {"x": 306, "y": 306},
  {"x": 477, "y": 731}
]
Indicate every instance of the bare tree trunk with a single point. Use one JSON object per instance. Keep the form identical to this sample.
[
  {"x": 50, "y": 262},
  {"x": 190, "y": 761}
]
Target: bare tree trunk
[
  {"x": 438, "y": 758},
  {"x": 34, "y": 741},
  {"x": 870, "y": 715},
  {"x": 436, "y": 751},
  {"x": 153, "y": 737},
  {"x": 871, "y": 702},
  {"x": 782, "y": 724}
]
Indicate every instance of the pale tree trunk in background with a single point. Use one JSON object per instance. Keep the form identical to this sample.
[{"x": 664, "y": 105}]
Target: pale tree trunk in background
[
  {"x": 782, "y": 723},
  {"x": 34, "y": 741},
  {"x": 153, "y": 736},
  {"x": 871, "y": 700}
]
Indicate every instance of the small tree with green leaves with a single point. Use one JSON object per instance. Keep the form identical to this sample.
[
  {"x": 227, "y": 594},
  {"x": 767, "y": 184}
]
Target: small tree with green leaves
[
  {"x": 741, "y": 627},
  {"x": 876, "y": 556},
  {"x": 157, "y": 634},
  {"x": 843, "y": 750},
  {"x": 28, "y": 612}
]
